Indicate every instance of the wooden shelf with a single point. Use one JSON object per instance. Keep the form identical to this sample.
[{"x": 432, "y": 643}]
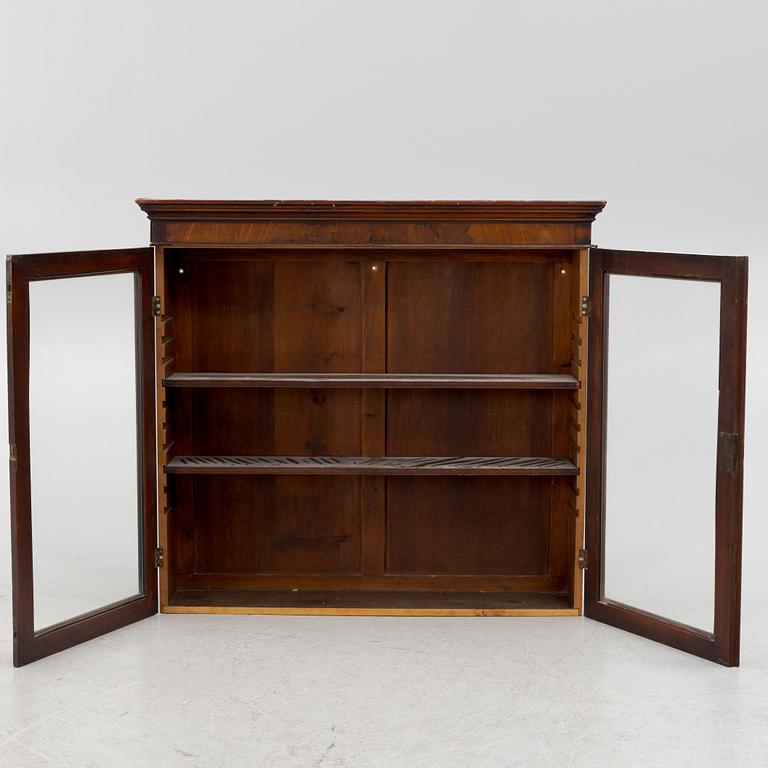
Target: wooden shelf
[
  {"x": 374, "y": 380},
  {"x": 365, "y": 465},
  {"x": 374, "y": 602}
]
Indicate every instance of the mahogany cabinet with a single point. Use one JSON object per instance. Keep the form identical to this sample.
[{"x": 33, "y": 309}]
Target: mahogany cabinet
[{"x": 384, "y": 408}]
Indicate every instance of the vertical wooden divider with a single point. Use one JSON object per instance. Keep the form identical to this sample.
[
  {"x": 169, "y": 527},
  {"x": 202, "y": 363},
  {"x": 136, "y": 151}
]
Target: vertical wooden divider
[
  {"x": 561, "y": 364},
  {"x": 373, "y": 286},
  {"x": 161, "y": 418},
  {"x": 580, "y": 371}
]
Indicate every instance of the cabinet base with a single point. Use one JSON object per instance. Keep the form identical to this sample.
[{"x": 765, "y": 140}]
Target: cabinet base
[{"x": 371, "y": 603}]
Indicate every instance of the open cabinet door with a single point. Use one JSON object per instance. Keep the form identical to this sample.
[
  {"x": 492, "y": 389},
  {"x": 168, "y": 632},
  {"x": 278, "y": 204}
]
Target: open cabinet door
[
  {"x": 82, "y": 468},
  {"x": 665, "y": 421}
]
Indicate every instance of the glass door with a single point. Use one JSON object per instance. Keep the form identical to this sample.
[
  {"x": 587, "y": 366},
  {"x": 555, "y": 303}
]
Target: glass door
[
  {"x": 667, "y": 350},
  {"x": 82, "y": 446}
]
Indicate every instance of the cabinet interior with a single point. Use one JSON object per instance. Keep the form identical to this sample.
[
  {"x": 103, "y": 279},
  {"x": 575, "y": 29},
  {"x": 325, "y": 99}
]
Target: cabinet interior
[{"x": 360, "y": 431}]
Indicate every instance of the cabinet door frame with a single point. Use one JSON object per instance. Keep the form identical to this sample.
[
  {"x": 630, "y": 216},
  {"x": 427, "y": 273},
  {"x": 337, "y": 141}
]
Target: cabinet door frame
[
  {"x": 722, "y": 645},
  {"x": 29, "y": 645}
]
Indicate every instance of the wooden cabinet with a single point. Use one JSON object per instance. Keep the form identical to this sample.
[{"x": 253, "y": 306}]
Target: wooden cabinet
[{"x": 378, "y": 408}]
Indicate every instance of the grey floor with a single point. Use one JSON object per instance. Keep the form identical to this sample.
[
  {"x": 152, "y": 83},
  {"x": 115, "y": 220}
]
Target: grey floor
[{"x": 306, "y": 691}]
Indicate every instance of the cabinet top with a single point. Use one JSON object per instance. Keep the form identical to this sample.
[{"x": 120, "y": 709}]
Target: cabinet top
[
  {"x": 363, "y": 223},
  {"x": 538, "y": 210}
]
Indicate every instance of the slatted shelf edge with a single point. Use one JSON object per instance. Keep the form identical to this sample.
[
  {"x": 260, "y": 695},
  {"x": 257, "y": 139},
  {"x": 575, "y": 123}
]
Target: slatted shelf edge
[
  {"x": 367, "y": 465},
  {"x": 372, "y": 380}
]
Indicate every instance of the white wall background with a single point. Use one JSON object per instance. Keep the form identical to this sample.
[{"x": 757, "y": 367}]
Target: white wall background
[{"x": 657, "y": 107}]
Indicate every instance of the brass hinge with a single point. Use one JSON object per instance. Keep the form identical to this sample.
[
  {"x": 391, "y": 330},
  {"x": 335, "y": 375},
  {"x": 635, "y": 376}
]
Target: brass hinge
[
  {"x": 156, "y": 306},
  {"x": 728, "y": 452},
  {"x": 586, "y": 306},
  {"x": 12, "y": 451},
  {"x": 159, "y": 557},
  {"x": 583, "y": 559}
]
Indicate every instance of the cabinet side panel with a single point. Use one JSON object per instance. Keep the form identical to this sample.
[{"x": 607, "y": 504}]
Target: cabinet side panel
[
  {"x": 579, "y": 421},
  {"x": 562, "y": 494},
  {"x": 163, "y": 340},
  {"x": 177, "y": 292}
]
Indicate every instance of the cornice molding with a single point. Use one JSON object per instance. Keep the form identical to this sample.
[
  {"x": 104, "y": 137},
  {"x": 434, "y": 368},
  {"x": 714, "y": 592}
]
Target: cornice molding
[{"x": 364, "y": 210}]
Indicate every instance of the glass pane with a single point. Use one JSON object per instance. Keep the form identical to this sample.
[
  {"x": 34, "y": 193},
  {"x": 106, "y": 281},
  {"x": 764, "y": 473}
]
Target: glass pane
[
  {"x": 661, "y": 446},
  {"x": 83, "y": 444}
]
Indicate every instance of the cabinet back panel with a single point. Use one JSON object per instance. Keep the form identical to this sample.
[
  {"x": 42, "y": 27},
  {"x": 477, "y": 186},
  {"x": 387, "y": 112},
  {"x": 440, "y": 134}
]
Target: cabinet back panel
[
  {"x": 232, "y": 315},
  {"x": 318, "y": 318},
  {"x": 469, "y": 317},
  {"x": 271, "y": 422},
  {"x": 265, "y": 316},
  {"x": 469, "y": 422},
  {"x": 468, "y": 526},
  {"x": 262, "y": 525}
]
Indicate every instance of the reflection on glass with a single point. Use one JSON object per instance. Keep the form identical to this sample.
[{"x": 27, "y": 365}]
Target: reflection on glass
[
  {"x": 661, "y": 446},
  {"x": 83, "y": 443}
]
